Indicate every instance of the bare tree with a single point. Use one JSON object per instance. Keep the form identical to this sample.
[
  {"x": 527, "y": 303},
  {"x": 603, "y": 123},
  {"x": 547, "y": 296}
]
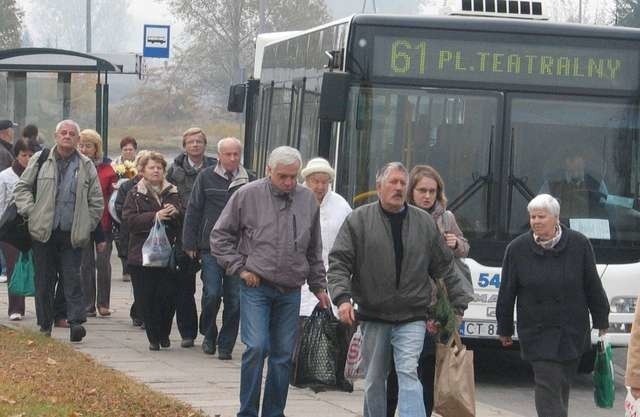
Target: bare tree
[{"x": 10, "y": 24}]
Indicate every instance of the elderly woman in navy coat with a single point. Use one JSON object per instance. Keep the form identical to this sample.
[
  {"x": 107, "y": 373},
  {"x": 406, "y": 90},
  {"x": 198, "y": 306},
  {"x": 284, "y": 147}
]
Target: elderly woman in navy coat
[{"x": 550, "y": 274}]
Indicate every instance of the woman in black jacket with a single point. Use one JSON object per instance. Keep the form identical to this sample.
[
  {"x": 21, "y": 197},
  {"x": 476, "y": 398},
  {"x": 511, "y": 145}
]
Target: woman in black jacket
[
  {"x": 150, "y": 199},
  {"x": 550, "y": 274}
]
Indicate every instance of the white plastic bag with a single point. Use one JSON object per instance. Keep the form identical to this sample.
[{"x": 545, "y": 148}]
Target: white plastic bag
[
  {"x": 156, "y": 249},
  {"x": 353, "y": 368},
  {"x": 631, "y": 405}
]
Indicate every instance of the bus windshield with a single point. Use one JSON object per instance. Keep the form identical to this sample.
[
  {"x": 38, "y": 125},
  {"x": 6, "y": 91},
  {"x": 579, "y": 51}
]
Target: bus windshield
[
  {"x": 585, "y": 153},
  {"x": 451, "y": 130}
]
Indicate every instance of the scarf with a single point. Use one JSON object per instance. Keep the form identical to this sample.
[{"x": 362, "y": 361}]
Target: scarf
[{"x": 549, "y": 244}]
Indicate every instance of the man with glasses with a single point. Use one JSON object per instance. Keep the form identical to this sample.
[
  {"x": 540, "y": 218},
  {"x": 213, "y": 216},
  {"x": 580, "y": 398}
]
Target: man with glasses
[
  {"x": 182, "y": 174},
  {"x": 62, "y": 214}
]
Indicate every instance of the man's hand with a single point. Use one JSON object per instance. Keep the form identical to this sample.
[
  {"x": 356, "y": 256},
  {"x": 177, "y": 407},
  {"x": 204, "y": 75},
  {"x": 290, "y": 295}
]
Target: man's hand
[
  {"x": 506, "y": 341},
  {"x": 347, "y": 314},
  {"x": 191, "y": 254},
  {"x": 323, "y": 298},
  {"x": 251, "y": 279},
  {"x": 602, "y": 332},
  {"x": 101, "y": 247}
]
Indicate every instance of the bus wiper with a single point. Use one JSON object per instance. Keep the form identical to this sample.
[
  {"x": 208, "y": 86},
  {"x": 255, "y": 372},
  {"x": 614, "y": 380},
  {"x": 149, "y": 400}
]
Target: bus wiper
[
  {"x": 478, "y": 180},
  {"x": 520, "y": 184}
]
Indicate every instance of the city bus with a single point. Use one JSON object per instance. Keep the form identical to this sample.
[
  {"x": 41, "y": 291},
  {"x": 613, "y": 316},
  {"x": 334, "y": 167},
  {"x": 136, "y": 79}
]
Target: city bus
[{"x": 504, "y": 109}]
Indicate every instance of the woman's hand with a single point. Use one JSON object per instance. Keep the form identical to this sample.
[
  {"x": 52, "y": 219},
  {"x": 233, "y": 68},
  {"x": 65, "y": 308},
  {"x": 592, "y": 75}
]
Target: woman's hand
[
  {"x": 164, "y": 213},
  {"x": 451, "y": 239},
  {"x": 506, "y": 341}
]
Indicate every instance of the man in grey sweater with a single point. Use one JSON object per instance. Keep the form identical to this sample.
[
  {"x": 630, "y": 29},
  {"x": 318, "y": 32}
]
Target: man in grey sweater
[
  {"x": 386, "y": 258},
  {"x": 269, "y": 235}
]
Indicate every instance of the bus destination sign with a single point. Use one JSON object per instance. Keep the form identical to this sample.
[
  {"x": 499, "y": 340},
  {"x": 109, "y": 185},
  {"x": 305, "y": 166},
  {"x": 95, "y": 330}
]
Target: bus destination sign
[{"x": 505, "y": 63}]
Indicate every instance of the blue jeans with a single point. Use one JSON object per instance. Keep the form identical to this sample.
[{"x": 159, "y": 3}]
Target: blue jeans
[
  {"x": 404, "y": 341},
  {"x": 217, "y": 285},
  {"x": 269, "y": 325}
]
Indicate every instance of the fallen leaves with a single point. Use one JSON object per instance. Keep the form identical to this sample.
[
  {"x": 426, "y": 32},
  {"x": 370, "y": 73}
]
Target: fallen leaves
[{"x": 51, "y": 361}]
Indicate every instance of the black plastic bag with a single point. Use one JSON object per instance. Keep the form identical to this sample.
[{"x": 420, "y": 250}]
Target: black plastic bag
[{"x": 320, "y": 355}]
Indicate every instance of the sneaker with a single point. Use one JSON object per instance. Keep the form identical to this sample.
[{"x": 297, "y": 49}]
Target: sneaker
[
  {"x": 208, "y": 347},
  {"x": 77, "y": 332},
  {"x": 3, "y": 278},
  {"x": 165, "y": 343},
  {"x": 126, "y": 277},
  {"x": 186, "y": 343},
  {"x": 224, "y": 356},
  {"x": 15, "y": 317}
]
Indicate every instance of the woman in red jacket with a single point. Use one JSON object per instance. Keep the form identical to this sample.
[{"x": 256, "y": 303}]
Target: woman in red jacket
[
  {"x": 90, "y": 145},
  {"x": 150, "y": 199}
]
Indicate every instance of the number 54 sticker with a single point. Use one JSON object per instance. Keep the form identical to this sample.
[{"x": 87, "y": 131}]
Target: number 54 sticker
[{"x": 488, "y": 280}]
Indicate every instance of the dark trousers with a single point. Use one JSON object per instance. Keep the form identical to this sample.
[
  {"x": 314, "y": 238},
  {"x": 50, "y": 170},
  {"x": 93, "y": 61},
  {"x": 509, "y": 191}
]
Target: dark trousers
[
  {"x": 135, "y": 312},
  {"x": 16, "y": 302},
  {"x": 426, "y": 374},
  {"x": 156, "y": 301},
  {"x": 99, "y": 282},
  {"x": 552, "y": 385},
  {"x": 57, "y": 260},
  {"x": 186, "y": 313}
]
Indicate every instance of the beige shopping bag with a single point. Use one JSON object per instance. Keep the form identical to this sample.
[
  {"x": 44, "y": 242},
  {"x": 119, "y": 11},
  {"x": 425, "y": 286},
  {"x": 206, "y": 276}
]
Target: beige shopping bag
[{"x": 454, "y": 392}]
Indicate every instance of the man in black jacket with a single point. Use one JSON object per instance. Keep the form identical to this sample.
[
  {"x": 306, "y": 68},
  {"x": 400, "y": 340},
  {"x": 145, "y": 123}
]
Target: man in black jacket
[
  {"x": 211, "y": 191},
  {"x": 182, "y": 174}
]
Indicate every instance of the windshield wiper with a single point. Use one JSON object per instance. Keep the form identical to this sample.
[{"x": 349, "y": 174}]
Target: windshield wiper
[{"x": 478, "y": 181}]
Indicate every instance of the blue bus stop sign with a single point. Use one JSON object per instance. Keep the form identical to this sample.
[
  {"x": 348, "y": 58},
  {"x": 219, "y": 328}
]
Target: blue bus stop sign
[{"x": 156, "y": 41}]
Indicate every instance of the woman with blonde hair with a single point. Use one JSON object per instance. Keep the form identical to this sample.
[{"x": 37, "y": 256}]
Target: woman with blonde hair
[{"x": 97, "y": 256}]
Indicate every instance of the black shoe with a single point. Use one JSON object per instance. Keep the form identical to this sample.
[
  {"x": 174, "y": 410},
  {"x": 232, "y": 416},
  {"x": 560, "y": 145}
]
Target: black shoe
[
  {"x": 224, "y": 356},
  {"x": 136, "y": 322},
  {"x": 154, "y": 346},
  {"x": 165, "y": 343},
  {"x": 77, "y": 332},
  {"x": 208, "y": 347},
  {"x": 91, "y": 313},
  {"x": 186, "y": 343},
  {"x": 45, "y": 332}
]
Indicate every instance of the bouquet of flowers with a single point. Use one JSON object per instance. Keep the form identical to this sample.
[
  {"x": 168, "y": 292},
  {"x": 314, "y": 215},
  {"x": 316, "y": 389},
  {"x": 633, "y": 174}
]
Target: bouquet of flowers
[
  {"x": 441, "y": 320},
  {"x": 126, "y": 170}
]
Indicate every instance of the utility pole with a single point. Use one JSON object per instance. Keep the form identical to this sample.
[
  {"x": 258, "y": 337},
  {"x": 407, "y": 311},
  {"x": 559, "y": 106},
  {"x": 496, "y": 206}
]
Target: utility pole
[{"x": 88, "y": 26}]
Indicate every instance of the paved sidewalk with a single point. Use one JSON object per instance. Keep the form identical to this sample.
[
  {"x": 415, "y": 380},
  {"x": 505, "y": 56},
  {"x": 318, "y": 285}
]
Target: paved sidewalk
[{"x": 187, "y": 374}]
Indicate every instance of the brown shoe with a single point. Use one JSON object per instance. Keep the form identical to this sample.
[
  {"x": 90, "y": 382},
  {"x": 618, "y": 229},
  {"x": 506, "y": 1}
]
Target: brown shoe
[
  {"x": 104, "y": 311},
  {"x": 62, "y": 323}
]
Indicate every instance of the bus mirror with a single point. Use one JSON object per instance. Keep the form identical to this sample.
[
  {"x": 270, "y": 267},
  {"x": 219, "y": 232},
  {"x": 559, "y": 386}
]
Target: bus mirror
[
  {"x": 236, "y": 98},
  {"x": 333, "y": 98}
]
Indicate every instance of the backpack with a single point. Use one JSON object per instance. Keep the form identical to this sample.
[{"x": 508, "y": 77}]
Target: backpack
[{"x": 14, "y": 229}]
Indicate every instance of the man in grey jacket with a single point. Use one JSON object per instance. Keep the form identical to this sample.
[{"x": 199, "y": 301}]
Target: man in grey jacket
[
  {"x": 63, "y": 203},
  {"x": 6, "y": 143},
  {"x": 269, "y": 235},
  {"x": 386, "y": 258}
]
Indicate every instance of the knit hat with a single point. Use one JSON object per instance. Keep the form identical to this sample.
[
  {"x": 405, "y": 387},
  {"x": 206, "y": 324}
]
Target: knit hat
[{"x": 318, "y": 165}]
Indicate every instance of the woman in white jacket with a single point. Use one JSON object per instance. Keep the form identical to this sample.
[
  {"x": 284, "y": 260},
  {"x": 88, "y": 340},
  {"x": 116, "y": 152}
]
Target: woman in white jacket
[
  {"x": 8, "y": 179},
  {"x": 318, "y": 176}
]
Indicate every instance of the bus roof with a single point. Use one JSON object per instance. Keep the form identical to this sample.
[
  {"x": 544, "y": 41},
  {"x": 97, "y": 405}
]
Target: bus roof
[{"x": 493, "y": 24}]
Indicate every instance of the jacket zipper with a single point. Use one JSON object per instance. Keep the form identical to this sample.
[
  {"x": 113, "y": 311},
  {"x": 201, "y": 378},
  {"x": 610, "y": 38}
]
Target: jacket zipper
[{"x": 295, "y": 233}]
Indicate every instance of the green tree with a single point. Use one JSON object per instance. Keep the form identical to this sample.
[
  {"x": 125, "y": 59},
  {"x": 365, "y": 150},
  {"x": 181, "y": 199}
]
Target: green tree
[
  {"x": 10, "y": 24},
  {"x": 627, "y": 13},
  {"x": 222, "y": 34}
]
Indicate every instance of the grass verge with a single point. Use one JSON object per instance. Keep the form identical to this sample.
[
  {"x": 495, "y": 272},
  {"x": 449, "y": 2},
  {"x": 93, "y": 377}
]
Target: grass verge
[{"x": 40, "y": 376}]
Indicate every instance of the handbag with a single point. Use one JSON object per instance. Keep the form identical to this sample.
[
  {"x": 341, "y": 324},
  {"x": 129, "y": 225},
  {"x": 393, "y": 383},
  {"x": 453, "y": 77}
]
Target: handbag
[
  {"x": 180, "y": 262},
  {"x": 604, "y": 389},
  {"x": 454, "y": 388},
  {"x": 22, "y": 278},
  {"x": 156, "y": 250}
]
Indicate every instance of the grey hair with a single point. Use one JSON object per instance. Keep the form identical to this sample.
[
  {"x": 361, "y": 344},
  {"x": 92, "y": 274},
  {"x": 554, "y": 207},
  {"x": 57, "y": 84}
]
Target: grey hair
[
  {"x": 544, "y": 202},
  {"x": 229, "y": 140},
  {"x": 383, "y": 172},
  {"x": 68, "y": 122},
  {"x": 284, "y": 155}
]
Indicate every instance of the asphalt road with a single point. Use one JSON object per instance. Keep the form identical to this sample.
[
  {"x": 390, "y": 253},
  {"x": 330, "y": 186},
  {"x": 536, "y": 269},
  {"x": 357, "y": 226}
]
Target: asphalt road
[{"x": 505, "y": 381}]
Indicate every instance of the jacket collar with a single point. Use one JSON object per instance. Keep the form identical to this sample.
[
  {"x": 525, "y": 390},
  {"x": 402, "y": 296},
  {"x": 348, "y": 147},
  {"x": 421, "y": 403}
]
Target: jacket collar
[
  {"x": 557, "y": 249},
  {"x": 182, "y": 161},
  {"x": 241, "y": 178},
  {"x": 167, "y": 188}
]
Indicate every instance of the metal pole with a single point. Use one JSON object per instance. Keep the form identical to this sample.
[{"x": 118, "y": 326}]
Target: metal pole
[
  {"x": 374, "y": 6},
  {"x": 262, "y": 7},
  {"x": 580, "y": 11},
  {"x": 88, "y": 26}
]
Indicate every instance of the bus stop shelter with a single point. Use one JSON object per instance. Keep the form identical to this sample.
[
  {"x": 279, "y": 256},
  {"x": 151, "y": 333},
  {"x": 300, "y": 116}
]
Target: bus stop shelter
[{"x": 44, "y": 85}]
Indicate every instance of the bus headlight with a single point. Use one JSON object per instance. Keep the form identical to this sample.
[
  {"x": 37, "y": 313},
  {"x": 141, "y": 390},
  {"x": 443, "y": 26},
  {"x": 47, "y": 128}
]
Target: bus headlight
[{"x": 623, "y": 304}]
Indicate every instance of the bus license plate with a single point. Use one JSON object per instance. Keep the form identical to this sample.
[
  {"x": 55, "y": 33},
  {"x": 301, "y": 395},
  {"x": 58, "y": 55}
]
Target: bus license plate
[{"x": 478, "y": 329}]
